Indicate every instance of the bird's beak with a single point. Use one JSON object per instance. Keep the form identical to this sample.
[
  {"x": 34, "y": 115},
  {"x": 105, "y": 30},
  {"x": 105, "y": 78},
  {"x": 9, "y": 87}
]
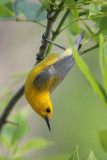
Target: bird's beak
[{"x": 48, "y": 122}]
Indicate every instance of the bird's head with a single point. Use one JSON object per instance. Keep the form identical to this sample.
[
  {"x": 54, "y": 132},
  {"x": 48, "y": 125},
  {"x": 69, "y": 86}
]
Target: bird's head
[{"x": 44, "y": 109}]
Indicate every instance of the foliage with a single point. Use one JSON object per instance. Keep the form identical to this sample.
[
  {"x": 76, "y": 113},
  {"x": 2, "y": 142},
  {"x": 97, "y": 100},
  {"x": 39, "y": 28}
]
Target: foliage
[
  {"x": 12, "y": 135},
  {"x": 83, "y": 11},
  {"x": 91, "y": 156},
  {"x": 84, "y": 68},
  {"x": 75, "y": 156},
  {"x": 103, "y": 139}
]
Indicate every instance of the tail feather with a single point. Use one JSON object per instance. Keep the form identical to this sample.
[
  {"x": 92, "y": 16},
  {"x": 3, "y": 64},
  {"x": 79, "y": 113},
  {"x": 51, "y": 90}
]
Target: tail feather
[{"x": 77, "y": 43}]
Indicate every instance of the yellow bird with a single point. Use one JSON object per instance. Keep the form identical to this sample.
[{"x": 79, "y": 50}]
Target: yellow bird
[{"x": 45, "y": 77}]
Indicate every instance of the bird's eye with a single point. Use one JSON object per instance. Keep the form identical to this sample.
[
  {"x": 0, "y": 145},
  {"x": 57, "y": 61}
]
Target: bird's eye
[{"x": 48, "y": 110}]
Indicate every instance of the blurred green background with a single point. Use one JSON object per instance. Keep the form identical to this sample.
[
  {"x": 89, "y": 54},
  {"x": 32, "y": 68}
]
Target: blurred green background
[{"x": 78, "y": 113}]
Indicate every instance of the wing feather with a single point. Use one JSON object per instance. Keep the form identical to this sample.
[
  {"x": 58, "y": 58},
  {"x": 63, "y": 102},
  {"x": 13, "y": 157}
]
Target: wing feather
[{"x": 52, "y": 76}]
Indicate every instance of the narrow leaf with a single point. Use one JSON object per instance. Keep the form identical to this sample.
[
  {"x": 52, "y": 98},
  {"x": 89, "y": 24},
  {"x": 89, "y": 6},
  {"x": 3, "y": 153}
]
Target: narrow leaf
[
  {"x": 33, "y": 144},
  {"x": 103, "y": 139},
  {"x": 70, "y": 4},
  {"x": 103, "y": 26},
  {"x": 6, "y": 10},
  {"x": 15, "y": 133},
  {"x": 75, "y": 27},
  {"x": 101, "y": 43},
  {"x": 30, "y": 10},
  {"x": 91, "y": 156},
  {"x": 92, "y": 34},
  {"x": 84, "y": 68},
  {"x": 105, "y": 61},
  {"x": 5, "y": 140},
  {"x": 15, "y": 147},
  {"x": 47, "y": 3},
  {"x": 75, "y": 156},
  {"x": 94, "y": 9}
]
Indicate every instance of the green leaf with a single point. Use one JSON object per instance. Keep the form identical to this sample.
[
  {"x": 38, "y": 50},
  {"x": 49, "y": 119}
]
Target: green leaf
[
  {"x": 5, "y": 140},
  {"x": 32, "y": 11},
  {"x": 70, "y": 4},
  {"x": 105, "y": 49},
  {"x": 41, "y": 14},
  {"x": 103, "y": 139},
  {"x": 101, "y": 43},
  {"x": 32, "y": 144},
  {"x": 73, "y": 6},
  {"x": 15, "y": 147},
  {"x": 6, "y": 10},
  {"x": 84, "y": 68},
  {"x": 103, "y": 26},
  {"x": 100, "y": 20},
  {"x": 91, "y": 156},
  {"x": 15, "y": 133},
  {"x": 105, "y": 61},
  {"x": 48, "y": 3},
  {"x": 74, "y": 155},
  {"x": 75, "y": 11},
  {"x": 93, "y": 35},
  {"x": 96, "y": 8},
  {"x": 74, "y": 28}
]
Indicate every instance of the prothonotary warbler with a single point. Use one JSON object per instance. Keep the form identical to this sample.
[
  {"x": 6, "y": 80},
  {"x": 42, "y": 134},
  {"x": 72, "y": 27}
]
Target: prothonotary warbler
[{"x": 45, "y": 77}]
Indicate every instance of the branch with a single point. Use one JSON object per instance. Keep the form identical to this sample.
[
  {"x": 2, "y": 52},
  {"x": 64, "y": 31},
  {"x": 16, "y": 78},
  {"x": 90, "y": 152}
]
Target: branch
[
  {"x": 90, "y": 49},
  {"x": 10, "y": 105},
  {"x": 40, "y": 56},
  {"x": 56, "y": 33},
  {"x": 51, "y": 19}
]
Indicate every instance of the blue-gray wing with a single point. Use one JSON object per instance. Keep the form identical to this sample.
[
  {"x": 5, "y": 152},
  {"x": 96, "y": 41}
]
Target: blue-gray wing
[{"x": 53, "y": 75}]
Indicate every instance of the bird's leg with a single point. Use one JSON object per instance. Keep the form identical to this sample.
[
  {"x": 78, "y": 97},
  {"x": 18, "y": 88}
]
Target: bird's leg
[{"x": 49, "y": 41}]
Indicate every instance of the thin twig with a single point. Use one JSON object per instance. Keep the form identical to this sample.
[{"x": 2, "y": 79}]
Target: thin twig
[
  {"x": 90, "y": 49},
  {"x": 13, "y": 123},
  {"x": 75, "y": 20},
  {"x": 23, "y": 20},
  {"x": 10, "y": 106}
]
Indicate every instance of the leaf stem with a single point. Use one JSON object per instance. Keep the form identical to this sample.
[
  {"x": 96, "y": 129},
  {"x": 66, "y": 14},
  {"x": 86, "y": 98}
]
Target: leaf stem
[
  {"x": 24, "y": 20},
  {"x": 75, "y": 20}
]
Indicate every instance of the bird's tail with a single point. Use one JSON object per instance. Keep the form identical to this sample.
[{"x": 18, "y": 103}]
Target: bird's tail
[{"x": 77, "y": 43}]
